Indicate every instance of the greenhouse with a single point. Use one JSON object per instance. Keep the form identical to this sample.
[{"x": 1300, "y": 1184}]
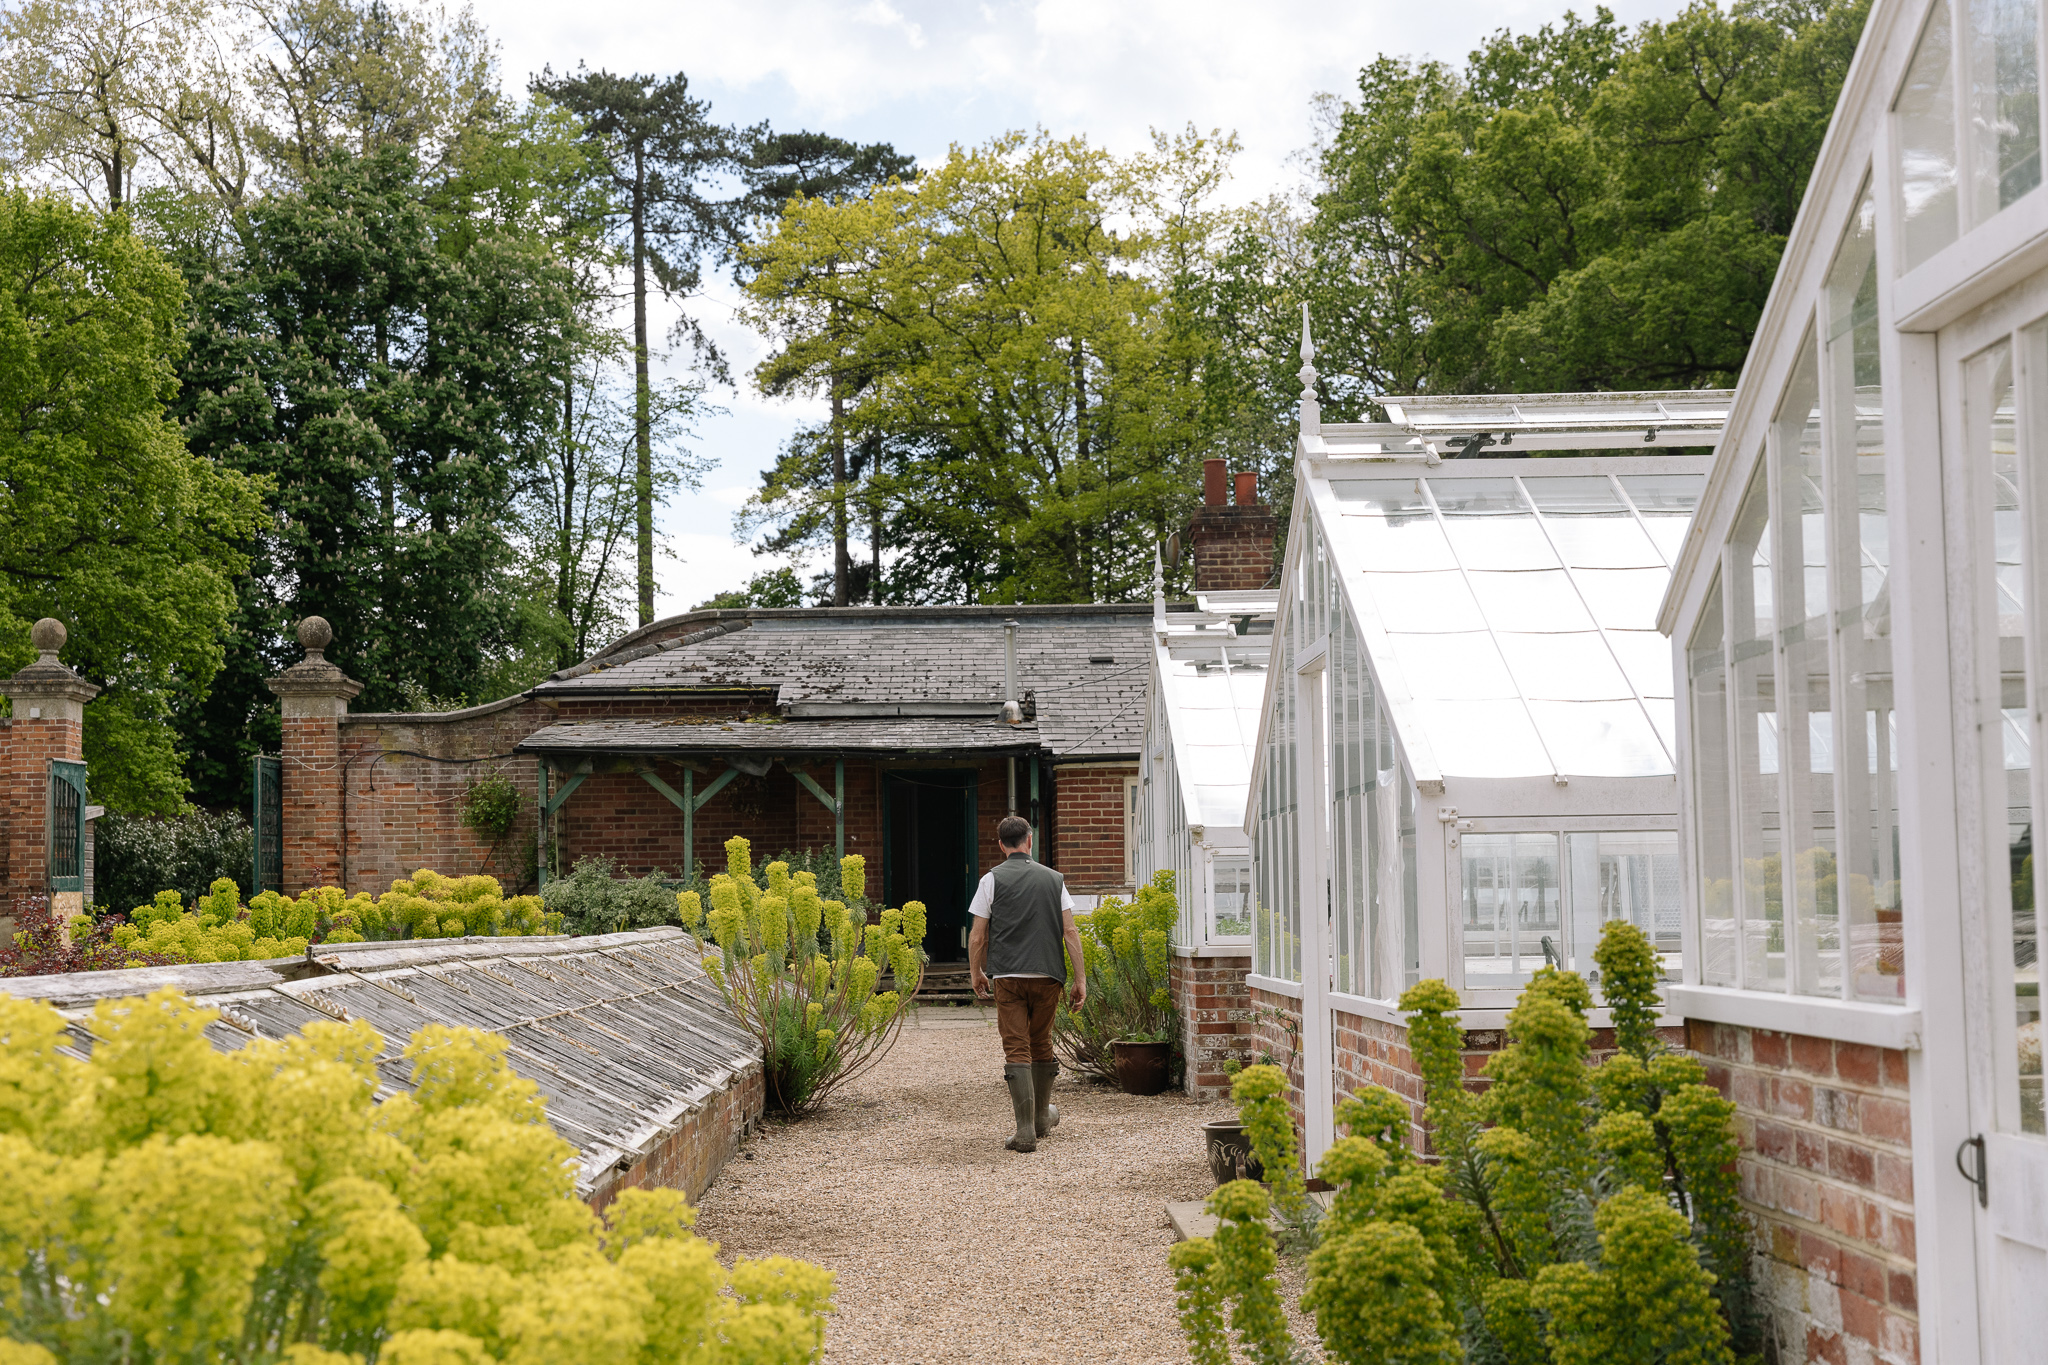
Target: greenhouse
[{"x": 1468, "y": 690}]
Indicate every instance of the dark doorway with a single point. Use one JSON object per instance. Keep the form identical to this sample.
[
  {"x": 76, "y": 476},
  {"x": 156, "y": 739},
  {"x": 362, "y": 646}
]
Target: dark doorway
[{"x": 929, "y": 817}]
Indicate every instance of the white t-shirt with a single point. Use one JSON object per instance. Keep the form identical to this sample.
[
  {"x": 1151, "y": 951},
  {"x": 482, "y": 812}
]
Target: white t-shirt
[{"x": 985, "y": 901}]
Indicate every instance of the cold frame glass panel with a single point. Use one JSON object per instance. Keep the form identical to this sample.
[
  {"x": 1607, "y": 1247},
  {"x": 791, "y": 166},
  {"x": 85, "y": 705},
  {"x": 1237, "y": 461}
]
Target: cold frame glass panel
[
  {"x": 1394, "y": 544},
  {"x": 1713, "y": 758},
  {"x": 1573, "y": 666},
  {"x": 1760, "y": 898},
  {"x": 1511, "y": 918},
  {"x": 1806, "y": 751},
  {"x": 1382, "y": 497},
  {"x": 1600, "y": 739},
  {"x": 1424, "y": 603},
  {"x": 1591, "y": 493},
  {"x": 1859, "y": 596},
  {"x": 1276, "y": 883},
  {"x": 1628, "y": 875},
  {"x": 2005, "y": 102},
  {"x": 1925, "y": 136},
  {"x": 2002, "y": 611},
  {"x": 1453, "y": 667}
]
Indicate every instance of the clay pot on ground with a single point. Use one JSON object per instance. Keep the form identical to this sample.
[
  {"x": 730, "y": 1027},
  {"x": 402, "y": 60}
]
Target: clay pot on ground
[
  {"x": 1141, "y": 1067},
  {"x": 1230, "y": 1151}
]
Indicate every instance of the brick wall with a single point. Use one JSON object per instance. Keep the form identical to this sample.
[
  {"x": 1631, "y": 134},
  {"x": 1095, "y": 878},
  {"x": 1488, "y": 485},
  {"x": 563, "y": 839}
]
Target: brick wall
[
  {"x": 691, "y": 1155},
  {"x": 405, "y": 811},
  {"x": 1827, "y": 1172},
  {"x": 1216, "y": 1019},
  {"x": 30, "y": 745},
  {"x": 1275, "y": 1037},
  {"x": 1087, "y": 827},
  {"x": 1232, "y": 547}
]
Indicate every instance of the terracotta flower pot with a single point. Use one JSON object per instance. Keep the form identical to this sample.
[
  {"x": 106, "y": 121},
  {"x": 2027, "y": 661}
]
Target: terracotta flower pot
[
  {"x": 1230, "y": 1152},
  {"x": 1141, "y": 1067}
]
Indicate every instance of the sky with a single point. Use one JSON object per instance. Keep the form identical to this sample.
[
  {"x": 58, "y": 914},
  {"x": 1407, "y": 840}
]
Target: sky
[{"x": 924, "y": 76}]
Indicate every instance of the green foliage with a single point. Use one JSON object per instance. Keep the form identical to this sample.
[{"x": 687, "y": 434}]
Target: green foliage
[
  {"x": 595, "y": 899},
  {"x": 175, "y": 1203},
  {"x": 802, "y": 972},
  {"x": 134, "y": 857},
  {"x": 1578, "y": 1213},
  {"x": 107, "y": 521},
  {"x": 491, "y": 806},
  {"x": 775, "y": 588},
  {"x": 1127, "y": 947},
  {"x": 1260, "y": 1093}
]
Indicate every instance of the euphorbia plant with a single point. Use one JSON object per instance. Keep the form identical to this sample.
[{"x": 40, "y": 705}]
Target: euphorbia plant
[
  {"x": 1128, "y": 948},
  {"x": 1576, "y": 1213},
  {"x": 801, "y": 972}
]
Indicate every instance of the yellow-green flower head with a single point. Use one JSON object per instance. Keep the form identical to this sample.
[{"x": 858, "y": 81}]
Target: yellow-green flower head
[
  {"x": 812, "y": 1013},
  {"x": 821, "y": 975},
  {"x": 862, "y": 976},
  {"x": 874, "y": 937},
  {"x": 804, "y": 903},
  {"x": 1122, "y": 941},
  {"x": 1156, "y": 953},
  {"x": 825, "y": 1039},
  {"x": 778, "y": 878},
  {"x": 892, "y": 922},
  {"x": 739, "y": 861},
  {"x": 689, "y": 909},
  {"x": 774, "y": 923},
  {"x": 853, "y": 877},
  {"x": 914, "y": 921},
  {"x": 724, "y": 894}
]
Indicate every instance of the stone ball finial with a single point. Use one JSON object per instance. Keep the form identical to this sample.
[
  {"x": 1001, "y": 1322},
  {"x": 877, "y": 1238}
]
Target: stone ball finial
[
  {"x": 315, "y": 635},
  {"x": 48, "y": 636}
]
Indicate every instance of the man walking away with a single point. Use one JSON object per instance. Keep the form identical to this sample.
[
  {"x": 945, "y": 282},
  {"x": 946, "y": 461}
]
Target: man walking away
[{"x": 1022, "y": 917}]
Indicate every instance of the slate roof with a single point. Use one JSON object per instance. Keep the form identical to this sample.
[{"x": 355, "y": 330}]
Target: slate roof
[
  {"x": 623, "y": 1033},
  {"x": 860, "y": 658}
]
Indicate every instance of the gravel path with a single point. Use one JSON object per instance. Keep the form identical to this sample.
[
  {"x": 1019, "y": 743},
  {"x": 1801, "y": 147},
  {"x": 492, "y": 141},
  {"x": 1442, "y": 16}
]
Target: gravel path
[{"x": 949, "y": 1248}]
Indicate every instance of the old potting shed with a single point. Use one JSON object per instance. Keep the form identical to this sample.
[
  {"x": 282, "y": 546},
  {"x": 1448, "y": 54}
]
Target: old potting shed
[{"x": 1466, "y": 758}]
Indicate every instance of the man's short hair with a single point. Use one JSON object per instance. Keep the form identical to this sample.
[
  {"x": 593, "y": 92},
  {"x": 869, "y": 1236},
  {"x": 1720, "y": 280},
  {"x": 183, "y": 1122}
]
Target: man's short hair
[{"x": 1012, "y": 831}]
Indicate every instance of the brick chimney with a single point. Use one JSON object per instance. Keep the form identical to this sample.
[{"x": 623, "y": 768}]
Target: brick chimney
[{"x": 1232, "y": 545}]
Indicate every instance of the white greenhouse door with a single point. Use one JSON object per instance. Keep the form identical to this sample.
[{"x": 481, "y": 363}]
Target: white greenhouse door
[
  {"x": 1997, "y": 486},
  {"x": 1319, "y": 1090}
]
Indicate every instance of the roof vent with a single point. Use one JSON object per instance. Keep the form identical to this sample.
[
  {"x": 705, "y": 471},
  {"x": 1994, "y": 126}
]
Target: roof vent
[{"x": 1013, "y": 706}]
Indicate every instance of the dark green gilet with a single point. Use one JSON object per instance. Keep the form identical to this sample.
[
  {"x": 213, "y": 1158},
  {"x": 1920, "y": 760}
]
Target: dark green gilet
[{"x": 1026, "y": 927}]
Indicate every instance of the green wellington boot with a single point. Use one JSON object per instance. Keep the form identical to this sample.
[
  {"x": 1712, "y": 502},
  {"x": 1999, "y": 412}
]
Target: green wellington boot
[
  {"x": 1045, "y": 1115},
  {"x": 1017, "y": 1075}
]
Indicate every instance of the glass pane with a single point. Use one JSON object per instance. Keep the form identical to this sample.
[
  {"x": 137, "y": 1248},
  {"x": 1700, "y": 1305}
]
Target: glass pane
[
  {"x": 1464, "y": 666},
  {"x": 1760, "y": 900},
  {"x": 1859, "y": 560},
  {"x": 1381, "y": 497},
  {"x": 1600, "y": 739},
  {"x": 1624, "y": 874},
  {"x": 1511, "y": 921},
  {"x": 1564, "y": 667},
  {"x": 1590, "y": 493},
  {"x": 2005, "y": 102},
  {"x": 1614, "y": 541},
  {"x": 1395, "y": 544},
  {"x": 1275, "y": 840},
  {"x": 1807, "y": 751},
  {"x": 1623, "y": 599},
  {"x": 1542, "y": 600},
  {"x": 1707, "y": 686},
  {"x": 1426, "y": 603},
  {"x": 1665, "y": 494},
  {"x": 1926, "y": 138},
  {"x": 1988, "y": 391},
  {"x": 1478, "y": 497},
  {"x": 1233, "y": 898},
  {"x": 1646, "y": 658},
  {"x": 1500, "y": 542},
  {"x": 1482, "y": 738}
]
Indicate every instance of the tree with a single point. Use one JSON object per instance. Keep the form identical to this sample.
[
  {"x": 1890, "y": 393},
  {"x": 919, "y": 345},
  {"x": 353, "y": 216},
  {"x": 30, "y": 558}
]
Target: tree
[
  {"x": 1025, "y": 352},
  {"x": 107, "y": 521},
  {"x": 394, "y": 370},
  {"x": 655, "y": 145},
  {"x": 791, "y": 167},
  {"x": 1577, "y": 208}
]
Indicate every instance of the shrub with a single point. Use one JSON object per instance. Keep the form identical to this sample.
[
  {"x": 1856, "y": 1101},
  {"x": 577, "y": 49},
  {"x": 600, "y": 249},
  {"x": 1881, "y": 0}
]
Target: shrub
[
  {"x": 595, "y": 899},
  {"x": 135, "y": 857},
  {"x": 491, "y": 806},
  {"x": 1578, "y": 1214},
  {"x": 1128, "y": 947},
  {"x": 175, "y": 1203},
  {"x": 801, "y": 971},
  {"x": 44, "y": 946}
]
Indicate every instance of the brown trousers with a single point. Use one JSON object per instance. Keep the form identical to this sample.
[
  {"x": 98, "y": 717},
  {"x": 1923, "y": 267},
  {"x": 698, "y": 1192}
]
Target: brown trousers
[{"x": 1024, "y": 1010}]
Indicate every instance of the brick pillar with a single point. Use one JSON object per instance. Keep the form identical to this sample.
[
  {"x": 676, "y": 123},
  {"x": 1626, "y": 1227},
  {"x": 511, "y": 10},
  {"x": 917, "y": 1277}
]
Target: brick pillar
[
  {"x": 1232, "y": 545},
  {"x": 316, "y": 695},
  {"x": 48, "y": 723}
]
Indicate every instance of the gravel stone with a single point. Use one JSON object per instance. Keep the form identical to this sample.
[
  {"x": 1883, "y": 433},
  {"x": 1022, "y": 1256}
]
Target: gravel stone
[{"x": 949, "y": 1248}]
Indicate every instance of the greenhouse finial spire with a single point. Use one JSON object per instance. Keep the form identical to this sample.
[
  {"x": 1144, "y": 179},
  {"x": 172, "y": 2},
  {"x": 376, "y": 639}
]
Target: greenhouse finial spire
[
  {"x": 1311, "y": 411},
  {"x": 1158, "y": 588}
]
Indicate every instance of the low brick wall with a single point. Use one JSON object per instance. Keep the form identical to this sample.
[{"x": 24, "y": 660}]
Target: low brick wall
[
  {"x": 1087, "y": 822},
  {"x": 1215, "y": 1019},
  {"x": 1827, "y": 1173},
  {"x": 694, "y": 1152}
]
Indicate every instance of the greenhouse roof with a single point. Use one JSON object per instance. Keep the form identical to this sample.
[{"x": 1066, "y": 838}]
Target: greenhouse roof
[
  {"x": 1509, "y": 606},
  {"x": 1212, "y": 682}
]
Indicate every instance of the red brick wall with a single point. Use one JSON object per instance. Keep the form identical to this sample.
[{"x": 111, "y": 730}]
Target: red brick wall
[
  {"x": 1087, "y": 834},
  {"x": 405, "y": 812},
  {"x": 30, "y": 745},
  {"x": 1215, "y": 1019},
  {"x": 690, "y": 1157},
  {"x": 1276, "y": 1038},
  {"x": 1232, "y": 547},
  {"x": 313, "y": 822},
  {"x": 1827, "y": 1172}
]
